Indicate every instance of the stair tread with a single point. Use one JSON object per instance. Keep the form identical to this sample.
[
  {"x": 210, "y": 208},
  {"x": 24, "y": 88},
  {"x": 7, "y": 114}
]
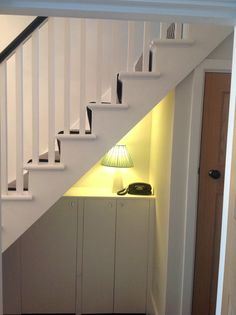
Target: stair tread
[
  {"x": 170, "y": 41},
  {"x": 107, "y": 106},
  {"x": 44, "y": 166},
  {"x": 15, "y": 196},
  {"x": 76, "y": 136},
  {"x": 144, "y": 75}
]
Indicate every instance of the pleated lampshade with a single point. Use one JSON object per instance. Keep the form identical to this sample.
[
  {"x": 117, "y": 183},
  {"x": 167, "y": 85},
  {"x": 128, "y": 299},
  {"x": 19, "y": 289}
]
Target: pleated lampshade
[{"x": 119, "y": 157}]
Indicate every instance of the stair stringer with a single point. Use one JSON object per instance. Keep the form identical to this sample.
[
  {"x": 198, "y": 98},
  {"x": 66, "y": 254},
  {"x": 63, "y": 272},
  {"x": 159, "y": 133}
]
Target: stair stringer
[{"x": 141, "y": 92}]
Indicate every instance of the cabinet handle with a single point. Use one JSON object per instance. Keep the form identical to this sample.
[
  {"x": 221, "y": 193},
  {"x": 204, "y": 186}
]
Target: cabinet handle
[{"x": 110, "y": 204}]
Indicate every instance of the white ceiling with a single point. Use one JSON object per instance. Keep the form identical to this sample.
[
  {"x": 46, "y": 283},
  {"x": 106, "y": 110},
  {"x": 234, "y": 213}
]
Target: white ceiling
[{"x": 218, "y": 11}]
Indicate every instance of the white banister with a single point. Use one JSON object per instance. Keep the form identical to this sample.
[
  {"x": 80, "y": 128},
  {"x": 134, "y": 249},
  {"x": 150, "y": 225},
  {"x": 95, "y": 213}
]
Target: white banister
[
  {"x": 178, "y": 30},
  {"x": 67, "y": 75},
  {"x": 99, "y": 61},
  {"x": 186, "y": 31},
  {"x": 163, "y": 30},
  {"x": 130, "y": 46},
  {"x": 35, "y": 97},
  {"x": 19, "y": 120},
  {"x": 114, "y": 61},
  {"x": 51, "y": 91},
  {"x": 146, "y": 42},
  {"x": 4, "y": 147},
  {"x": 82, "y": 55}
]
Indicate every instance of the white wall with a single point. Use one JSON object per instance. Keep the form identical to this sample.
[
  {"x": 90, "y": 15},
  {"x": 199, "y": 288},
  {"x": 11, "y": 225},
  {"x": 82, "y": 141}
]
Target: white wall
[
  {"x": 160, "y": 179},
  {"x": 224, "y": 50},
  {"x": 11, "y": 26},
  {"x": 178, "y": 188}
]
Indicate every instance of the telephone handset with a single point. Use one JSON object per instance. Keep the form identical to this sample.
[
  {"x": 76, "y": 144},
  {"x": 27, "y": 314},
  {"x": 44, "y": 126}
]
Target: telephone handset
[{"x": 136, "y": 189}]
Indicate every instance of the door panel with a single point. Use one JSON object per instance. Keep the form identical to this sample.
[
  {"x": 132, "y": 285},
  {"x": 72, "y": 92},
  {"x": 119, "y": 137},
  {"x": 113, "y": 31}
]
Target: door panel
[
  {"x": 210, "y": 192},
  {"x": 11, "y": 279},
  {"x": 131, "y": 256},
  {"x": 98, "y": 255},
  {"x": 48, "y": 261}
]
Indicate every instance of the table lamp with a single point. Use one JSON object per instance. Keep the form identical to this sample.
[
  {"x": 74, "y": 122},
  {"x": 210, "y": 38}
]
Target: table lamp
[{"x": 118, "y": 157}]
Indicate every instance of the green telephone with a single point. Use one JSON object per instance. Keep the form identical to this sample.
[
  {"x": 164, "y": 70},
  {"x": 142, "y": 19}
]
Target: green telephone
[{"x": 136, "y": 189}]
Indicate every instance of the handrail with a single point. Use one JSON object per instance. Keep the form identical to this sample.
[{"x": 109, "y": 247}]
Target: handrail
[{"x": 21, "y": 37}]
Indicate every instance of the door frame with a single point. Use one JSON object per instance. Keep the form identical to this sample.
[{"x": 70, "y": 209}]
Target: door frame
[{"x": 209, "y": 65}]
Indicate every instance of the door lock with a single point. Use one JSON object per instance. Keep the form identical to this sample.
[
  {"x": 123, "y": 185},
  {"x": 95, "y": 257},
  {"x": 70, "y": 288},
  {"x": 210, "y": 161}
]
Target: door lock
[{"x": 215, "y": 174}]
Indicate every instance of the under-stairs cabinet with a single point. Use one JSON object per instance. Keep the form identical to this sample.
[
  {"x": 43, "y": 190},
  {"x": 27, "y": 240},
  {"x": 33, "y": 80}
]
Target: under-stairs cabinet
[{"x": 85, "y": 255}]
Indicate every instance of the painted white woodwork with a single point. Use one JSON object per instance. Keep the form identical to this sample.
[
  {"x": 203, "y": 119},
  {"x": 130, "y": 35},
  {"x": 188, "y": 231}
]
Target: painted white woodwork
[
  {"x": 226, "y": 291},
  {"x": 130, "y": 46},
  {"x": 35, "y": 97},
  {"x": 150, "y": 302},
  {"x": 4, "y": 147},
  {"x": 131, "y": 256},
  {"x": 48, "y": 261},
  {"x": 178, "y": 30},
  {"x": 80, "y": 257},
  {"x": 99, "y": 61},
  {"x": 19, "y": 120},
  {"x": 113, "y": 62},
  {"x": 163, "y": 30},
  {"x": 82, "y": 78},
  {"x": 140, "y": 92},
  {"x": 79, "y": 254},
  {"x": 51, "y": 91},
  {"x": 186, "y": 33},
  {"x": 11, "y": 263},
  {"x": 98, "y": 255},
  {"x": 146, "y": 42},
  {"x": 67, "y": 75}
]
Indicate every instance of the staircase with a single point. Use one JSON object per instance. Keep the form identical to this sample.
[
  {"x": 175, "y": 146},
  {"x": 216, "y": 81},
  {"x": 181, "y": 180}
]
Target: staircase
[{"x": 37, "y": 173}]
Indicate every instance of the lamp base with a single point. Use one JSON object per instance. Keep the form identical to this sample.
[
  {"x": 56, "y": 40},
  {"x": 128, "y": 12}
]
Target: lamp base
[{"x": 117, "y": 181}]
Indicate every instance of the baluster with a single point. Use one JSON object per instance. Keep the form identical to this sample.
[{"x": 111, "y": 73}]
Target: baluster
[
  {"x": 82, "y": 113},
  {"x": 163, "y": 30},
  {"x": 99, "y": 63},
  {"x": 51, "y": 91},
  {"x": 130, "y": 46},
  {"x": 4, "y": 137},
  {"x": 185, "y": 31},
  {"x": 114, "y": 61},
  {"x": 178, "y": 30},
  {"x": 35, "y": 97},
  {"x": 67, "y": 76},
  {"x": 19, "y": 120},
  {"x": 146, "y": 41}
]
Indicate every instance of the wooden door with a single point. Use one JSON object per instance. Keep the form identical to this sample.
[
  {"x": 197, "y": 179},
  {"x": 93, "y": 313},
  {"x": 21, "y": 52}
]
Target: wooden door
[{"x": 210, "y": 192}]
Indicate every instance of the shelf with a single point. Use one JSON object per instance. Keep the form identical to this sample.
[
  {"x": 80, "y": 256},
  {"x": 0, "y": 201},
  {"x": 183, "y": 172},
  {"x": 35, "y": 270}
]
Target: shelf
[{"x": 95, "y": 192}]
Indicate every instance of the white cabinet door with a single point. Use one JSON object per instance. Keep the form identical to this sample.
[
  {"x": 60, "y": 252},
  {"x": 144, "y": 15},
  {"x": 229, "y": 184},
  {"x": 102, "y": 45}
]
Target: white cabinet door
[
  {"x": 131, "y": 255},
  {"x": 11, "y": 279},
  {"x": 98, "y": 255},
  {"x": 48, "y": 254}
]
